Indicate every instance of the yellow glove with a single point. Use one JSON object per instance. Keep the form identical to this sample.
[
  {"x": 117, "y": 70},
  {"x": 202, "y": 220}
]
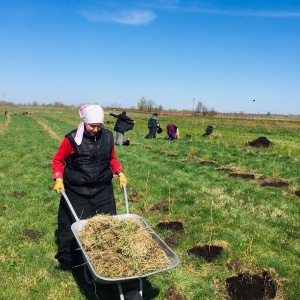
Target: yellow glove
[
  {"x": 122, "y": 179},
  {"x": 59, "y": 185}
]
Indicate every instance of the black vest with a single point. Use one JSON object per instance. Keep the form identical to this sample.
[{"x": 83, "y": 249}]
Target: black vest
[{"x": 88, "y": 169}]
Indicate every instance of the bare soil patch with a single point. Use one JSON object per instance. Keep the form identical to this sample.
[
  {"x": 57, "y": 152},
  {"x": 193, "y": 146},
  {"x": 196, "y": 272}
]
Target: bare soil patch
[
  {"x": 135, "y": 197},
  {"x": 175, "y": 226},
  {"x": 242, "y": 175},
  {"x": 173, "y": 294},
  {"x": 207, "y": 252},
  {"x": 207, "y": 162},
  {"x": 171, "y": 225},
  {"x": 297, "y": 193},
  {"x": 161, "y": 206},
  {"x": 260, "y": 142},
  {"x": 32, "y": 233},
  {"x": 172, "y": 239},
  {"x": 18, "y": 195},
  {"x": 273, "y": 182},
  {"x": 248, "y": 287}
]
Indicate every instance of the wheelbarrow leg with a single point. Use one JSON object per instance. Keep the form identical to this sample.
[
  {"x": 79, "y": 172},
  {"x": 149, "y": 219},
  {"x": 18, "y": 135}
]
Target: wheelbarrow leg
[
  {"x": 132, "y": 295},
  {"x": 120, "y": 291},
  {"x": 141, "y": 287}
]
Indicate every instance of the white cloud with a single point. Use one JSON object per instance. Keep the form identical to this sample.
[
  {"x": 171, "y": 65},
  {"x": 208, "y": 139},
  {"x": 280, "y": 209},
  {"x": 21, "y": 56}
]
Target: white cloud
[
  {"x": 135, "y": 12},
  {"x": 129, "y": 17}
]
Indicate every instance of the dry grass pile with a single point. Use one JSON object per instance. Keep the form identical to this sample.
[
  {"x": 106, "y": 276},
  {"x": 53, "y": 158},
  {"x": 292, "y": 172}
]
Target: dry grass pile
[{"x": 121, "y": 248}]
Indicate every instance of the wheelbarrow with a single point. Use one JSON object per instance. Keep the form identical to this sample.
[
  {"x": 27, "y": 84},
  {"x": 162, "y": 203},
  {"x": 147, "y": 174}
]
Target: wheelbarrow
[{"x": 90, "y": 274}]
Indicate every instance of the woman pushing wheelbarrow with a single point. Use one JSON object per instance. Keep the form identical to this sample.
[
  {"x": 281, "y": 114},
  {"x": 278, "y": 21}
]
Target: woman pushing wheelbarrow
[{"x": 83, "y": 167}]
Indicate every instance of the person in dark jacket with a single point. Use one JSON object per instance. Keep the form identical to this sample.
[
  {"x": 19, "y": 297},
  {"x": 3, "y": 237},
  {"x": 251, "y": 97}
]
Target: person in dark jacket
[
  {"x": 153, "y": 125},
  {"x": 123, "y": 124},
  {"x": 83, "y": 167},
  {"x": 208, "y": 130}
]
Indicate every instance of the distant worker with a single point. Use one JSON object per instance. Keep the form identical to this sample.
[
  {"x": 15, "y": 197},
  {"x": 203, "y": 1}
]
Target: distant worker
[
  {"x": 153, "y": 126},
  {"x": 173, "y": 132},
  {"x": 208, "y": 130},
  {"x": 123, "y": 124}
]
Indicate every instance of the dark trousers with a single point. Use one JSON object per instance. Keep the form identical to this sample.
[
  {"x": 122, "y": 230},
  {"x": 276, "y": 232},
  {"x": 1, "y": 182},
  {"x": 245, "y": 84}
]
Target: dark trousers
[
  {"x": 85, "y": 207},
  {"x": 152, "y": 133}
]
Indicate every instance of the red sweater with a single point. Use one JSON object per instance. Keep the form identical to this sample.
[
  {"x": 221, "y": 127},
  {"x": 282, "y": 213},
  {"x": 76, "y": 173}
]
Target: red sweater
[{"x": 66, "y": 149}]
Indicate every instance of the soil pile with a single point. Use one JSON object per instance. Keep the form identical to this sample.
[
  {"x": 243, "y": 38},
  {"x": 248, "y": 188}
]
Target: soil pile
[
  {"x": 207, "y": 252},
  {"x": 260, "y": 142},
  {"x": 249, "y": 287},
  {"x": 176, "y": 227},
  {"x": 273, "y": 182},
  {"x": 171, "y": 225}
]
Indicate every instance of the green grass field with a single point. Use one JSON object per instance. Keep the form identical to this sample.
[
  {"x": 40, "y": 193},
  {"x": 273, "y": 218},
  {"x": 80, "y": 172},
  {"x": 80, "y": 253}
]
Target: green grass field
[{"x": 256, "y": 225}]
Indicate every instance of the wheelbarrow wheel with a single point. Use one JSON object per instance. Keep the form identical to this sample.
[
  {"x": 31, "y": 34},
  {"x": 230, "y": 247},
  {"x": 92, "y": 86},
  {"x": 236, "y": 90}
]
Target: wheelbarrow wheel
[{"x": 133, "y": 295}]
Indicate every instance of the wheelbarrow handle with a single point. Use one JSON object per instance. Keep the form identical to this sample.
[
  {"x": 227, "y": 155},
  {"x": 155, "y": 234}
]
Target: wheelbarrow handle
[
  {"x": 74, "y": 213},
  {"x": 70, "y": 206},
  {"x": 126, "y": 199}
]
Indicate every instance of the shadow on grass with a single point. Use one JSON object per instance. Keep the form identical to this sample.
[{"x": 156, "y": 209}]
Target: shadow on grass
[{"x": 110, "y": 291}]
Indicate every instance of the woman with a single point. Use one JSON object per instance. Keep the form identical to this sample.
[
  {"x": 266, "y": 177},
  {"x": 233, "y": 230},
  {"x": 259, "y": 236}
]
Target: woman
[
  {"x": 83, "y": 167},
  {"x": 172, "y": 131}
]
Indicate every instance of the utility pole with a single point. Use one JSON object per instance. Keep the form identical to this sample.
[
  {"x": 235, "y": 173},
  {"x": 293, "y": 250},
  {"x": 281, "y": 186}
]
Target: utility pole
[
  {"x": 193, "y": 104},
  {"x": 3, "y": 96}
]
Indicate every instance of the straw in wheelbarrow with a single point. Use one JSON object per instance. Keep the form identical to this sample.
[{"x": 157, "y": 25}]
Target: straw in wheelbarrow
[{"x": 119, "y": 248}]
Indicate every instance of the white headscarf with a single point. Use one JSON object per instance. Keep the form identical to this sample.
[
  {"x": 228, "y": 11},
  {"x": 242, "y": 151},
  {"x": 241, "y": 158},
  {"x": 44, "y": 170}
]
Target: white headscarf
[{"x": 90, "y": 114}]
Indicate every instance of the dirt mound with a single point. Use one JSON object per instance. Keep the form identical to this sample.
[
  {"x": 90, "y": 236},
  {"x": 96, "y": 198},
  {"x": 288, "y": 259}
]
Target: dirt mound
[
  {"x": 273, "y": 182},
  {"x": 175, "y": 226},
  {"x": 207, "y": 252},
  {"x": 172, "y": 225},
  {"x": 249, "y": 287},
  {"x": 260, "y": 142}
]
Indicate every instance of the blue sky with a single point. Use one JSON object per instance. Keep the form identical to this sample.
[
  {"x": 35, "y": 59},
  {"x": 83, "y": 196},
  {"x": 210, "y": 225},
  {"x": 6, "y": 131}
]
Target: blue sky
[{"x": 224, "y": 54}]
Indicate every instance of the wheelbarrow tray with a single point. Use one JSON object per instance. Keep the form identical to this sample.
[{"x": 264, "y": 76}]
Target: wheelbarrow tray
[{"x": 77, "y": 227}]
